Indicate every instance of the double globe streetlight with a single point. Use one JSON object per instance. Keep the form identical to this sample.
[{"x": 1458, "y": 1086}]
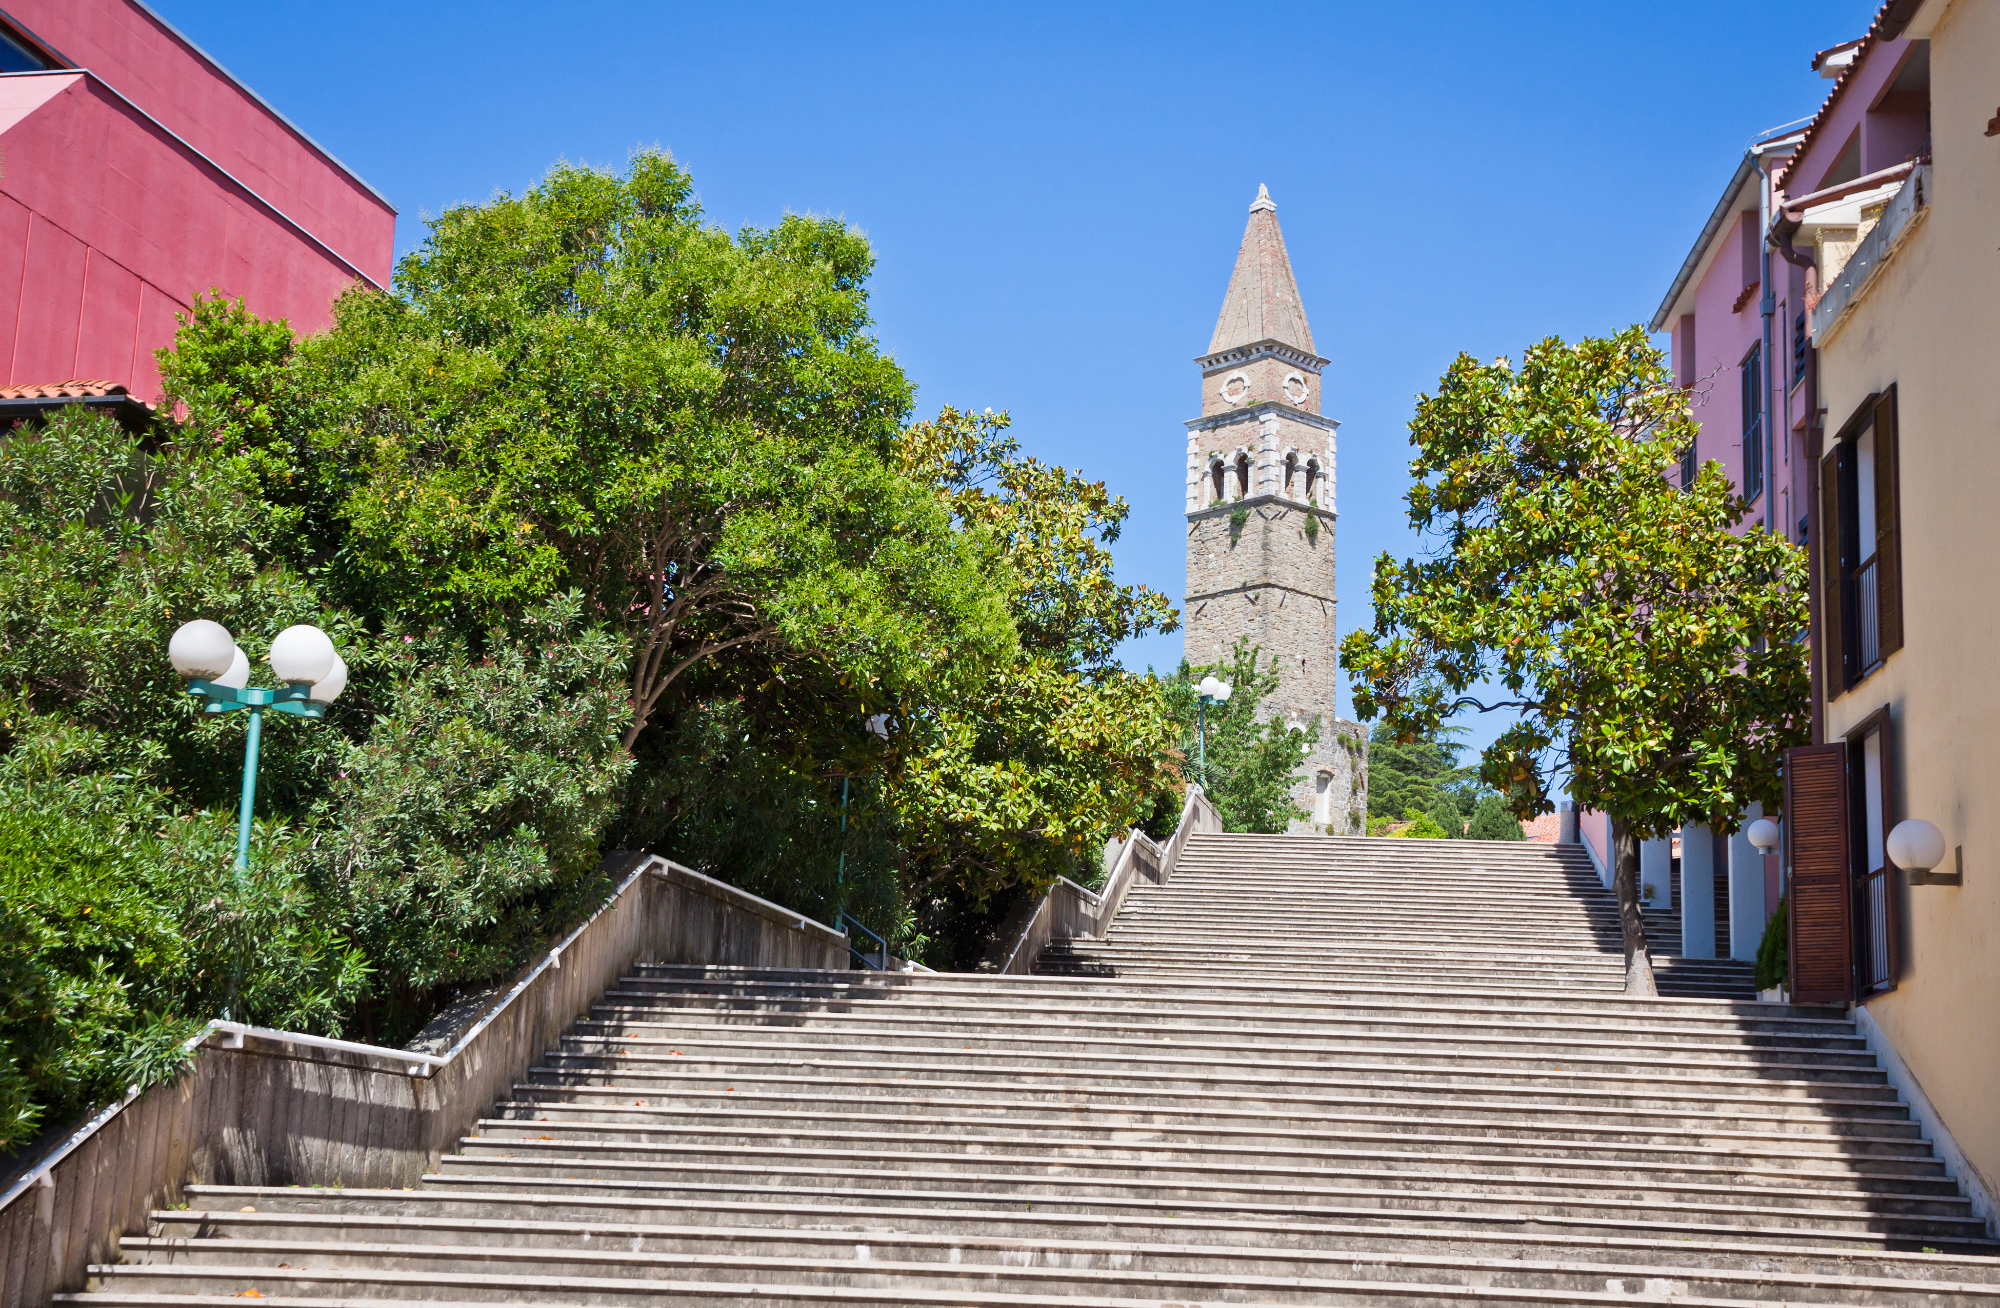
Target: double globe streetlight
[
  {"x": 302, "y": 657},
  {"x": 1210, "y": 690}
]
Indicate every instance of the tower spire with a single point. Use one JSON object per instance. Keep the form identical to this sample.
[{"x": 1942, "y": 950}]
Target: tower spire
[{"x": 1262, "y": 303}]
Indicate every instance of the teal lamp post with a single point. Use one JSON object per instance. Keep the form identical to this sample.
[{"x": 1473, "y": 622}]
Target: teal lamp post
[
  {"x": 302, "y": 657},
  {"x": 1211, "y": 690}
]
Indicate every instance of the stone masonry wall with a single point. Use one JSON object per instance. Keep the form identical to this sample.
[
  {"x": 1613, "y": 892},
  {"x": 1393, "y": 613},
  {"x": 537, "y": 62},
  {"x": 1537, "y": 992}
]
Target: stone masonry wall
[{"x": 1263, "y": 573}]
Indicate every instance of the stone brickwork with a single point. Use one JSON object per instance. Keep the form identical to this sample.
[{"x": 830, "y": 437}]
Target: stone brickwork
[{"x": 1259, "y": 501}]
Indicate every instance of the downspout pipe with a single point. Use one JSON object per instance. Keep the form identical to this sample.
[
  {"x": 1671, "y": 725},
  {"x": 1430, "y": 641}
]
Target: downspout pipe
[{"x": 1769, "y": 307}]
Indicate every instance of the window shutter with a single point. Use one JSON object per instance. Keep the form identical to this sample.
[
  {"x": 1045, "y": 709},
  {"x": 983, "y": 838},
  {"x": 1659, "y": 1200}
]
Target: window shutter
[
  {"x": 1832, "y": 583},
  {"x": 1822, "y": 937},
  {"x": 1888, "y": 527}
]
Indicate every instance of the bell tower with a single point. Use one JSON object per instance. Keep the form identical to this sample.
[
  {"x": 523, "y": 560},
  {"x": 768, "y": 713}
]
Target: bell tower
[{"x": 1260, "y": 512}]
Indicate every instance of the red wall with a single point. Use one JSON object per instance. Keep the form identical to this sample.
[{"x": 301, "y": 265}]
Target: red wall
[{"x": 109, "y": 224}]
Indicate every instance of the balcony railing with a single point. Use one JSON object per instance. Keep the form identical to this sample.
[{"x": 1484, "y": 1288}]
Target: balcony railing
[
  {"x": 1898, "y": 220},
  {"x": 1867, "y": 618}
]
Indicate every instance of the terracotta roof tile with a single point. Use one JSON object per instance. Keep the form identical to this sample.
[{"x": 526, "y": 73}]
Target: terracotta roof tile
[
  {"x": 1544, "y": 829},
  {"x": 67, "y": 390},
  {"x": 1868, "y": 41}
]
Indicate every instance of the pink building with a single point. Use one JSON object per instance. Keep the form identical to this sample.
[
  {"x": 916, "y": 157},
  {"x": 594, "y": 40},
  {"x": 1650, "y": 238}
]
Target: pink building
[
  {"x": 1746, "y": 311},
  {"x": 139, "y": 173}
]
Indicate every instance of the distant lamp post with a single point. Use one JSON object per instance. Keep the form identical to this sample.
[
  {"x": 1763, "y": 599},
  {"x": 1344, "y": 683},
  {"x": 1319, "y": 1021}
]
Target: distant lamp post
[
  {"x": 302, "y": 657},
  {"x": 1916, "y": 846},
  {"x": 1210, "y": 690},
  {"x": 1763, "y": 835}
]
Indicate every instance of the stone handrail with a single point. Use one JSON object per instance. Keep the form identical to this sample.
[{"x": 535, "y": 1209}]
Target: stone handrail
[
  {"x": 258, "y": 1107},
  {"x": 1071, "y": 912}
]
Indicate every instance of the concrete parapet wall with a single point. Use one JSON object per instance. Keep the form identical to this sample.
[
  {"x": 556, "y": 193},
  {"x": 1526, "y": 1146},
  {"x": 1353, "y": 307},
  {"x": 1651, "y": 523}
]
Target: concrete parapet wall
[
  {"x": 258, "y": 1108},
  {"x": 1072, "y": 912}
]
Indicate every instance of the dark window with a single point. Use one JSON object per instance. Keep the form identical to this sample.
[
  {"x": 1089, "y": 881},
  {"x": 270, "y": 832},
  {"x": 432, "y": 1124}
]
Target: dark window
[
  {"x": 1753, "y": 422},
  {"x": 1688, "y": 466},
  {"x": 1801, "y": 343},
  {"x": 17, "y": 57},
  {"x": 1861, "y": 575}
]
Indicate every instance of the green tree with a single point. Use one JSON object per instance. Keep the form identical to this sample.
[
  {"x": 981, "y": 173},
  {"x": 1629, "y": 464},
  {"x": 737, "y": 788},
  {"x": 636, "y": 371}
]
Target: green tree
[
  {"x": 1654, "y": 655},
  {"x": 1493, "y": 820},
  {"x": 1422, "y": 773},
  {"x": 586, "y": 388},
  {"x": 1251, "y": 764},
  {"x": 990, "y": 779}
]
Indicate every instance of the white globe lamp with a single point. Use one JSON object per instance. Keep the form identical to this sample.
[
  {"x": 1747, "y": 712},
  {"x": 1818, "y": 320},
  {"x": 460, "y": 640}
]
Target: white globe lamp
[
  {"x": 238, "y": 675},
  {"x": 302, "y": 655},
  {"x": 1763, "y": 835},
  {"x": 1914, "y": 845},
  {"x": 327, "y": 689},
  {"x": 201, "y": 650}
]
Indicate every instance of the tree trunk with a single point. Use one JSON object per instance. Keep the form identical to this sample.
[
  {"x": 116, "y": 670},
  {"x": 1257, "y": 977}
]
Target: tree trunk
[{"x": 1625, "y": 884}]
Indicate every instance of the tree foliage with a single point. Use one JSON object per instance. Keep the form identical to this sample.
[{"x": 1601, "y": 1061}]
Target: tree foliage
[
  {"x": 1251, "y": 764},
  {"x": 1493, "y": 820},
  {"x": 1653, "y": 653},
  {"x": 621, "y": 525}
]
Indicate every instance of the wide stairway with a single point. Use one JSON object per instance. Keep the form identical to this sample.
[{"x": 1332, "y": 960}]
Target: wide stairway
[
  {"x": 1206, "y": 1125},
  {"x": 1373, "y": 912}
]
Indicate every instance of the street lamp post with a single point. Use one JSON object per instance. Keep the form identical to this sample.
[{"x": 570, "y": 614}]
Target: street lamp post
[
  {"x": 215, "y": 668},
  {"x": 1211, "y": 690}
]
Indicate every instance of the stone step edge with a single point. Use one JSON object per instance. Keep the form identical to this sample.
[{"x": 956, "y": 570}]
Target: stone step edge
[
  {"x": 764, "y": 1160},
  {"x": 667, "y": 1290},
  {"x": 830, "y": 1054},
  {"x": 489, "y": 1129},
  {"x": 1311, "y": 1111},
  {"x": 1370, "y": 1000},
  {"x": 1968, "y": 1290},
  {"x": 1111, "y": 988},
  {"x": 1918, "y": 1149},
  {"x": 1599, "y": 1047},
  {"x": 1139, "y": 1209},
  {"x": 1206, "y": 1082},
  {"x": 291, "y": 1217}
]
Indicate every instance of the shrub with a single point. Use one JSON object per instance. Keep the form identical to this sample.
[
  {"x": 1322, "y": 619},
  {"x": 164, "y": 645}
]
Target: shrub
[
  {"x": 1774, "y": 964},
  {"x": 1493, "y": 820}
]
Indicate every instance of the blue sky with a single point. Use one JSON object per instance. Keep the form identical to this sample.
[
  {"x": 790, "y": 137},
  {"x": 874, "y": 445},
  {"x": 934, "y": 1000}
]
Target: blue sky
[{"x": 1055, "y": 192}]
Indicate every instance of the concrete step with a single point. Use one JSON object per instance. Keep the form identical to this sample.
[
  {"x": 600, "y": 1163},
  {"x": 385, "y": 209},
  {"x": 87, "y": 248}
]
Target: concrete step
[
  {"x": 1065, "y": 1270},
  {"x": 483, "y": 1215}
]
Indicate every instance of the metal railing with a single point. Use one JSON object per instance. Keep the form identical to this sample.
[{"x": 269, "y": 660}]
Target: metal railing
[
  {"x": 846, "y": 922},
  {"x": 1877, "y": 935},
  {"x": 1867, "y": 618}
]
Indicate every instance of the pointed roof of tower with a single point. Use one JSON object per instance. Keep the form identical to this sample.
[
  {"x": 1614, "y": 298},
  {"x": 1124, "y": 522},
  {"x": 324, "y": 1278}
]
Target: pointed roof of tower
[{"x": 1263, "y": 299}]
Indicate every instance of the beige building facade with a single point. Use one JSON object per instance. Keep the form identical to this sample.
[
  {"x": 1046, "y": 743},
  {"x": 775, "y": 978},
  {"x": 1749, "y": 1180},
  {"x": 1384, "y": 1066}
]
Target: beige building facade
[
  {"x": 1905, "y": 438},
  {"x": 1260, "y": 513}
]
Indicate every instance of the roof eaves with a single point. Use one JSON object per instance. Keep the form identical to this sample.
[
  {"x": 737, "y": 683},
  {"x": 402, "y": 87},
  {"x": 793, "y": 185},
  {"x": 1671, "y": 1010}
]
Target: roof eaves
[
  {"x": 267, "y": 106},
  {"x": 1888, "y": 24},
  {"x": 1719, "y": 215}
]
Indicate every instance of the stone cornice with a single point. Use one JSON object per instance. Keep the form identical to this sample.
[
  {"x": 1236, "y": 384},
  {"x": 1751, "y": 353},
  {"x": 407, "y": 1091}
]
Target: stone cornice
[
  {"x": 1228, "y": 507},
  {"x": 1227, "y": 416},
  {"x": 1242, "y": 354},
  {"x": 1255, "y": 585}
]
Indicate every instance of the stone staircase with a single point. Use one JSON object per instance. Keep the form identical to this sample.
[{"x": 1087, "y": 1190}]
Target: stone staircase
[
  {"x": 1371, "y": 912},
  {"x": 1450, "y": 1106}
]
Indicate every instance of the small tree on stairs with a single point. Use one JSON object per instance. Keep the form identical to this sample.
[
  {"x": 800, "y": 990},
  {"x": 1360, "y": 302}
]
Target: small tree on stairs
[{"x": 1652, "y": 653}]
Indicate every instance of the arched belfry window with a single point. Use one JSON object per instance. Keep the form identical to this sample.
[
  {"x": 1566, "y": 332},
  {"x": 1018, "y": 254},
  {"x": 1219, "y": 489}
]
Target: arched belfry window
[
  {"x": 1291, "y": 469},
  {"x": 1242, "y": 474},
  {"x": 1312, "y": 476},
  {"x": 1216, "y": 472}
]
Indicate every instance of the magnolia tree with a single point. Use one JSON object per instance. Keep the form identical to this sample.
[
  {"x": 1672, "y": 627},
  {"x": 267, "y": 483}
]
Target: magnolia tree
[{"x": 1653, "y": 653}]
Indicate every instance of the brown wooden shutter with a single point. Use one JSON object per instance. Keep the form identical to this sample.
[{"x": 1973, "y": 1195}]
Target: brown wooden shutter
[
  {"x": 1832, "y": 582},
  {"x": 1888, "y": 527},
  {"x": 1822, "y": 935}
]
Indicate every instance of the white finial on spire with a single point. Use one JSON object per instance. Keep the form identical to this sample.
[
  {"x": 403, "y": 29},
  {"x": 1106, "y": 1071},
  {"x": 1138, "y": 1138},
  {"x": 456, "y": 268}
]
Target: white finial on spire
[{"x": 1263, "y": 200}]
